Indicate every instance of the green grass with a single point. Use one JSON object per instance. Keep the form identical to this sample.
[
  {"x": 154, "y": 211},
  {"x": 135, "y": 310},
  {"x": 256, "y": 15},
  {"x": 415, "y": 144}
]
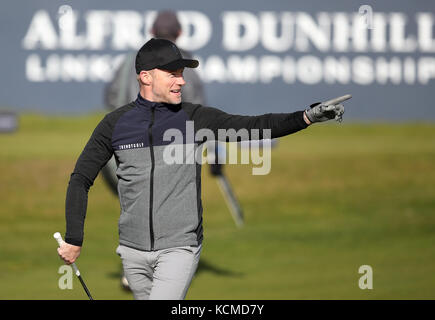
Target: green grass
[{"x": 337, "y": 197}]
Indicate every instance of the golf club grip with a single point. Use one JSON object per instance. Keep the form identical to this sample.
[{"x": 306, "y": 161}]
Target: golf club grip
[
  {"x": 59, "y": 240},
  {"x": 337, "y": 100}
]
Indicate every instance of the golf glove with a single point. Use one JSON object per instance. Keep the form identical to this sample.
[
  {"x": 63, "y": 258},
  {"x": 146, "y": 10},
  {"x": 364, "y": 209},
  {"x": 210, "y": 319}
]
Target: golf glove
[{"x": 319, "y": 112}]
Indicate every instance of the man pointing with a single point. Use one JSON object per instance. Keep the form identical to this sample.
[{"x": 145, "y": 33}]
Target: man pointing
[{"x": 160, "y": 226}]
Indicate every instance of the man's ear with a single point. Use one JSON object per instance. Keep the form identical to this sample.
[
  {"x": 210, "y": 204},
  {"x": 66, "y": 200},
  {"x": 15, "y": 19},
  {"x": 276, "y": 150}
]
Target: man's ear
[{"x": 145, "y": 77}]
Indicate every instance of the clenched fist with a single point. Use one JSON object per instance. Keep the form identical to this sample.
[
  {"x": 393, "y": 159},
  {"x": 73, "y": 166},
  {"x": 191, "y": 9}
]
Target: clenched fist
[{"x": 68, "y": 252}]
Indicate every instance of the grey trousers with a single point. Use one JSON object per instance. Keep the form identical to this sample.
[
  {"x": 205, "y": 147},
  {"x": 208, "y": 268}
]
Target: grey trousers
[{"x": 159, "y": 275}]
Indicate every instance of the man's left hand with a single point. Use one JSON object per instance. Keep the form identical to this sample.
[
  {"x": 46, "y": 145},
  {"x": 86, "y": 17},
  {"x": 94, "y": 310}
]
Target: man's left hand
[{"x": 319, "y": 112}]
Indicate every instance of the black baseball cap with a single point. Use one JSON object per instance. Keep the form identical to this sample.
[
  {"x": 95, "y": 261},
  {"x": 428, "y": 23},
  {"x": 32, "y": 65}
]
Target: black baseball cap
[{"x": 161, "y": 54}]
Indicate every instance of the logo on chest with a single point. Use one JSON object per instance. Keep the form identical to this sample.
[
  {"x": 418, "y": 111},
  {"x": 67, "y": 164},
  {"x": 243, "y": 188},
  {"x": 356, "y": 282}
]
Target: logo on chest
[{"x": 131, "y": 146}]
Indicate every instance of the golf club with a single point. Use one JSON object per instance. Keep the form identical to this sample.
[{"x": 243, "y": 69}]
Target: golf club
[{"x": 59, "y": 240}]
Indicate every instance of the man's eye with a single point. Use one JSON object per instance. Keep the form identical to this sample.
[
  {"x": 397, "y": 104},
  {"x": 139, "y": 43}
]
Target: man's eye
[{"x": 175, "y": 74}]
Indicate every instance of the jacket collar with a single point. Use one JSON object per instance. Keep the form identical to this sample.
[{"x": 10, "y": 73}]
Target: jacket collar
[{"x": 146, "y": 103}]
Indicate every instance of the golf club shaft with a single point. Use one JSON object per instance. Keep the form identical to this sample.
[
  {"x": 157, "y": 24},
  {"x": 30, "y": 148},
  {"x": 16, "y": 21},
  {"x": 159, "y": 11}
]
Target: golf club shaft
[{"x": 85, "y": 288}]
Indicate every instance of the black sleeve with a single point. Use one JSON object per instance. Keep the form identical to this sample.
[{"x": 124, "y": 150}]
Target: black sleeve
[
  {"x": 94, "y": 156},
  {"x": 280, "y": 124}
]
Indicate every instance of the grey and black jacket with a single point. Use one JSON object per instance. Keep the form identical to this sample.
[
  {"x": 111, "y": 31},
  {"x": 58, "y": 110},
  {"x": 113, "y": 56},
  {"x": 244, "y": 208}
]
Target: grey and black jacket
[{"x": 160, "y": 202}]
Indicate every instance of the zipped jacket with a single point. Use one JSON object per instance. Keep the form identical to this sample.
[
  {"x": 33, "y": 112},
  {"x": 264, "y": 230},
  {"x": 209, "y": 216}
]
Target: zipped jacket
[{"x": 160, "y": 200}]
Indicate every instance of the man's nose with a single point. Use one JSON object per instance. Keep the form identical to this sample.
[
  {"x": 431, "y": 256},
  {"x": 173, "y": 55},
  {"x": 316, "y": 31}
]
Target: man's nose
[{"x": 181, "y": 81}]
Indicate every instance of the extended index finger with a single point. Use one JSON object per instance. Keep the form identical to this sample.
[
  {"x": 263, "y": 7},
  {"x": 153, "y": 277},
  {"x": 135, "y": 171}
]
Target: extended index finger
[{"x": 337, "y": 100}]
